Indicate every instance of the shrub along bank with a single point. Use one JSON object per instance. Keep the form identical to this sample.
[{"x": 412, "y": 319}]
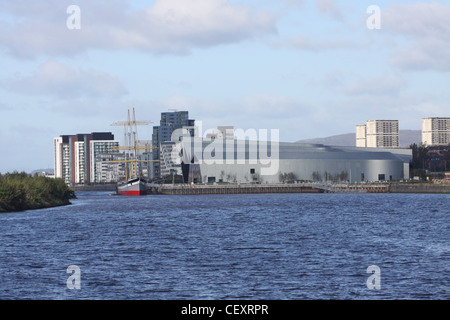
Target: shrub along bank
[{"x": 20, "y": 191}]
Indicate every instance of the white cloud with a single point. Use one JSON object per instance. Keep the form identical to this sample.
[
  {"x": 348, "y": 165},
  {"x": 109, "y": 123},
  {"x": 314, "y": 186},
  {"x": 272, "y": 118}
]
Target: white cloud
[
  {"x": 270, "y": 106},
  {"x": 5, "y": 107},
  {"x": 252, "y": 111},
  {"x": 303, "y": 42},
  {"x": 56, "y": 79},
  {"x": 168, "y": 26},
  {"x": 330, "y": 8},
  {"x": 378, "y": 86},
  {"x": 427, "y": 26}
]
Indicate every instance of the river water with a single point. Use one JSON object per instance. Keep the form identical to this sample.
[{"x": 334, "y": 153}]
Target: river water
[{"x": 265, "y": 246}]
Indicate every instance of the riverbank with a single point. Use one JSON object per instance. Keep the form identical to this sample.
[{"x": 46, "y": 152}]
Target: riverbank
[{"x": 19, "y": 192}]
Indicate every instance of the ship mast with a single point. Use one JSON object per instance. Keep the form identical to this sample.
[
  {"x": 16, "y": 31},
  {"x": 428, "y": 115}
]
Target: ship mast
[{"x": 130, "y": 129}]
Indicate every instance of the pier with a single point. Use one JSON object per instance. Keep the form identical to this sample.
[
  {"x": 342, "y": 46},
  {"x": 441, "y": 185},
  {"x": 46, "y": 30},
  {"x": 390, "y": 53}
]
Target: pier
[
  {"x": 189, "y": 189},
  {"x": 353, "y": 188},
  {"x": 231, "y": 189}
]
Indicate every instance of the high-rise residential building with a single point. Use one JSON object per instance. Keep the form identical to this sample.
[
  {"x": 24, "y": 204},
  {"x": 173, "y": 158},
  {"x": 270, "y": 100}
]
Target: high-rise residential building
[
  {"x": 58, "y": 157},
  {"x": 378, "y": 134},
  {"x": 435, "y": 131},
  {"x": 162, "y": 136},
  {"x": 361, "y": 136},
  {"x": 76, "y": 156},
  {"x": 101, "y": 153}
]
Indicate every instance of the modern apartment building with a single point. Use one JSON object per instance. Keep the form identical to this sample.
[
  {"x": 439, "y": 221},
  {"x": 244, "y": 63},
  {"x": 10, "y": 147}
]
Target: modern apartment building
[
  {"x": 76, "y": 156},
  {"x": 102, "y": 152},
  {"x": 361, "y": 140},
  {"x": 378, "y": 134},
  {"x": 435, "y": 131},
  {"x": 161, "y": 139}
]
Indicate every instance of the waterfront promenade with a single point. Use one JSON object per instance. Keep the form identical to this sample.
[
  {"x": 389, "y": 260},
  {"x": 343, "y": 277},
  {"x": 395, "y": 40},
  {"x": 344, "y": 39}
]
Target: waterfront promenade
[
  {"x": 233, "y": 189},
  {"x": 186, "y": 189}
]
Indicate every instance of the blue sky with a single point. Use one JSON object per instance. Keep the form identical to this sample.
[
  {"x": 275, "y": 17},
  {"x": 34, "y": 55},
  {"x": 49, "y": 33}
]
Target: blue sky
[{"x": 310, "y": 68}]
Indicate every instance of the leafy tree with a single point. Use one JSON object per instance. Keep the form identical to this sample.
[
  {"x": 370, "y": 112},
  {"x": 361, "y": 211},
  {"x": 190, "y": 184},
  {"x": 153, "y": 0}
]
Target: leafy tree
[
  {"x": 316, "y": 176},
  {"x": 19, "y": 191}
]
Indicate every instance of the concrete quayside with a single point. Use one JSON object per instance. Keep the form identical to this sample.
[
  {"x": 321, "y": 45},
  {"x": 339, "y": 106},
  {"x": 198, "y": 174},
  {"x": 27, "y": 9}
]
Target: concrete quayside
[
  {"x": 189, "y": 189},
  {"x": 185, "y": 189}
]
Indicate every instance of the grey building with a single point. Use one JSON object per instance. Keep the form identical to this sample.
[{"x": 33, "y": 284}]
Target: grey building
[
  {"x": 162, "y": 134},
  {"x": 265, "y": 162}
]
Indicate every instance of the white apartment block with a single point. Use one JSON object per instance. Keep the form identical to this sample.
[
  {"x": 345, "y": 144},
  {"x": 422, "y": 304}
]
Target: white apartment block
[
  {"x": 57, "y": 147},
  {"x": 169, "y": 155},
  {"x": 108, "y": 169},
  {"x": 435, "y": 131},
  {"x": 80, "y": 162},
  {"x": 102, "y": 171},
  {"x": 361, "y": 136},
  {"x": 76, "y": 157},
  {"x": 378, "y": 134}
]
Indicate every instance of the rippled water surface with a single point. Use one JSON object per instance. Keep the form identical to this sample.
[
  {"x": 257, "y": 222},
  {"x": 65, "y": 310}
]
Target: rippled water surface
[{"x": 272, "y": 246}]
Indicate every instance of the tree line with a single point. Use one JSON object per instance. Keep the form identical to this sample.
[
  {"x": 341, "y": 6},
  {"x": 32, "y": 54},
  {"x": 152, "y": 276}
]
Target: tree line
[
  {"x": 429, "y": 159},
  {"x": 20, "y": 191}
]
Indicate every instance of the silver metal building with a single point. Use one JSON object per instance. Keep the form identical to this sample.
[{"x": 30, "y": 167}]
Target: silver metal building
[{"x": 222, "y": 160}]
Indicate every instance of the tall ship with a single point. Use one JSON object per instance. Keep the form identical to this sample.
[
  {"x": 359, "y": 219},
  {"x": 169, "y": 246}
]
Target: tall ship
[
  {"x": 134, "y": 184},
  {"x": 132, "y": 187}
]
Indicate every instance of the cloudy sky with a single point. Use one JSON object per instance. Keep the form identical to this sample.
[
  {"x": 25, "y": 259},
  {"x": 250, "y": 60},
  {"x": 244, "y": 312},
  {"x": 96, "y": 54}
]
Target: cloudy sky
[{"x": 310, "y": 68}]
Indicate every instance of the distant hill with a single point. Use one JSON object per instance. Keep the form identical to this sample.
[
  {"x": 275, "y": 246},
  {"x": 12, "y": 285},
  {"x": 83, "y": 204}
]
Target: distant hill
[
  {"x": 347, "y": 139},
  {"x": 407, "y": 137}
]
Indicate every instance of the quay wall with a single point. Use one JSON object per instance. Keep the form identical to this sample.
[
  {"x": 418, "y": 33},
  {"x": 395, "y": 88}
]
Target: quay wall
[
  {"x": 234, "y": 189},
  {"x": 297, "y": 188},
  {"x": 419, "y": 188},
  {"x": 281, "y": 188},
  {"x": 94, "y": 187}
]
